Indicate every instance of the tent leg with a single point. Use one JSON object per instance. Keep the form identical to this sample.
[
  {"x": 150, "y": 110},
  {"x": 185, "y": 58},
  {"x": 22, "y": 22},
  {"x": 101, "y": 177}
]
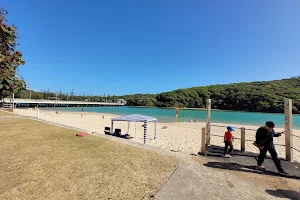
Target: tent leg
[
  {"x": 112, "y": 127},
  {"x": 135, "y": 130},
  {"x": 128, "y": 128},
  {"x": 145, "y": 131}
]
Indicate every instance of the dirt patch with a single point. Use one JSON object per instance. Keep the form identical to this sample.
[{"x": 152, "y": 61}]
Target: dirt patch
[
  {"x": 5, "y": 113},
  {"x": 40, "y": 161}
]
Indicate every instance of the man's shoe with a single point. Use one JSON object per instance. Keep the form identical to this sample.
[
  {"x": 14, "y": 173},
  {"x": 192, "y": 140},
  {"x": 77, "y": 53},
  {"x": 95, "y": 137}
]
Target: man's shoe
[
  {"x": 260, "y": 167},
  {"x": 282, "y": 172}
]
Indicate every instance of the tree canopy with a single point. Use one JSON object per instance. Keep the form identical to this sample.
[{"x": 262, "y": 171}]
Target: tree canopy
[
  {"x": 264, "y": 96},
  {"x": 10, "y": 58}
]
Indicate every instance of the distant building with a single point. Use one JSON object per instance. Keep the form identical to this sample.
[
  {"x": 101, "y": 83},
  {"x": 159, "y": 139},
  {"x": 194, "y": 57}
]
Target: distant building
[
  {"x": 121, "y": 101},
  {"x": 53, "y": 98}
]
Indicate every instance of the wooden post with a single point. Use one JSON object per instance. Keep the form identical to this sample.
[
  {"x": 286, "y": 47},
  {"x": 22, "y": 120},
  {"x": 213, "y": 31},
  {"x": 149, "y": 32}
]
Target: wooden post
[
  {"x": 53, "y": 119},
  {"x": 38, "y": 114},
  {"x": 288, "y": 105},
  {"x": 243, "y": 139},
  {"x": 30, "y": 112},
  {"x": 208, "y": 122},
  {"x": 203, "y": 141}
]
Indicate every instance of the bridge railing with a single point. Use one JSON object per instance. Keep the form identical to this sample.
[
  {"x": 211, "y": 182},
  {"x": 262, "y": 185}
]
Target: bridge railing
[{"x": 17, "y": 100}]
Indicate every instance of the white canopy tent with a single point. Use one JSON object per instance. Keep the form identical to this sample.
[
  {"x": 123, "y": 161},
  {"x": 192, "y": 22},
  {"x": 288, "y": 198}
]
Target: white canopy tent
[{"x": 136, "y": 118}]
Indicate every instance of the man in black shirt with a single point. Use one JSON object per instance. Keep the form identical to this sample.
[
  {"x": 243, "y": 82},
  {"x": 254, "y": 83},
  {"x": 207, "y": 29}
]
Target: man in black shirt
[{"x": 264, "y": 141}]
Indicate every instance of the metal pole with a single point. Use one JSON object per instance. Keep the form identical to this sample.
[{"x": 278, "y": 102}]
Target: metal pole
[
  {"x": 112, "y": 127},
  {"x": 145, "y": 131},
  {"x": 288, "y": 108},
  {"x": 13, "y": 102},
  {"x": 155, "y": 130},
  {"x": 208, "y": 122}
]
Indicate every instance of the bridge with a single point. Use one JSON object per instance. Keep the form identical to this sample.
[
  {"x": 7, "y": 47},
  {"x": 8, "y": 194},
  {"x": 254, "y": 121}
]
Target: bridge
[{"x": 57, "y": 103}]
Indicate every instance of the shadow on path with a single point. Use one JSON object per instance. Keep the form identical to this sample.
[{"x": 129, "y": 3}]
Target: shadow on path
[
  {"x": 284, "y": 194},
  {"x": 246, "y": 168},
  {"x": 246, "y": 162}
]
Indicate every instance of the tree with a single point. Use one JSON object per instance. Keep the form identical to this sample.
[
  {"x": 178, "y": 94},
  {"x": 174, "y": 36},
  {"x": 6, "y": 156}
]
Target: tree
[{"x": 10, "y": 58}]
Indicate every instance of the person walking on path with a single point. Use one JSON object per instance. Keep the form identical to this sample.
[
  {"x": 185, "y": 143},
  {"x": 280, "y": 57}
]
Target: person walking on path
[{"x": 264, "y": 141}]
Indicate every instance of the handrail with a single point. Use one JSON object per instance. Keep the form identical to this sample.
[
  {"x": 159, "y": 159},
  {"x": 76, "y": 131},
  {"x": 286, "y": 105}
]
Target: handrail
[{"x": 296, "y": 149}]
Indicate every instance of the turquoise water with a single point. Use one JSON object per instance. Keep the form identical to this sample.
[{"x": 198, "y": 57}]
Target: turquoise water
[{"x": 168, "y": 115}]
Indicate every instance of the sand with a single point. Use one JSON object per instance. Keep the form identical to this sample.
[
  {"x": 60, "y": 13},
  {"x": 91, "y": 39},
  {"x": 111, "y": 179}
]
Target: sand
[{"x": 184, "y": 137}]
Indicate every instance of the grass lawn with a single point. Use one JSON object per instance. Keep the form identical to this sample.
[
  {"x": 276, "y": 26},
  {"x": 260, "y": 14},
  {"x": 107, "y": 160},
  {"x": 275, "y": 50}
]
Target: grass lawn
[
  {"x": 2, "y": 113},
  {"x": 41, "y": 161}
]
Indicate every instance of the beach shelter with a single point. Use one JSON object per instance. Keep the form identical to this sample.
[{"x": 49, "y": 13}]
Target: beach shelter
[{"x": 136, "y": 118}]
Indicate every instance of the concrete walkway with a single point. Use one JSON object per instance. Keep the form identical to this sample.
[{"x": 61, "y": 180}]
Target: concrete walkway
[
  {"x": 215, "y": 177},
  {"x": 193, "y": 180}
]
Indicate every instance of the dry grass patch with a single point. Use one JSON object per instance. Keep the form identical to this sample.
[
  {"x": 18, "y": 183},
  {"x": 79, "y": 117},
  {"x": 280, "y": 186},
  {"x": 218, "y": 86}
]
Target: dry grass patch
[
  {"x": 4, "y": 113},
  {"x": 40, "y": 161}
]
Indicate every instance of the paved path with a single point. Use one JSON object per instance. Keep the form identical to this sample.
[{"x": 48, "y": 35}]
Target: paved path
[{"x": 213, "y": 178}]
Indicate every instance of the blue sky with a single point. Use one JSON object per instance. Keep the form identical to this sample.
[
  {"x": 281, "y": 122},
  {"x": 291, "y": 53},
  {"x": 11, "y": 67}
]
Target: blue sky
[{"x": 142, "y": 46}]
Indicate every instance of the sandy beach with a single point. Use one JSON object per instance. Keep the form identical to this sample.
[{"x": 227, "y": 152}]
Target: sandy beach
[{"x": 184, "y": 137}]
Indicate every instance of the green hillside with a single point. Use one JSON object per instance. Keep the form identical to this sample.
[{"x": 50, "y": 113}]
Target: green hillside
[{"x": 266, "y": 96}]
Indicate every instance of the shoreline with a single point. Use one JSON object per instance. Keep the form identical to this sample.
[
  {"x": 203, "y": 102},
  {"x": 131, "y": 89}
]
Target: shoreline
[
  {"x": 214, "y": 109},
  {"x": 213, "y": 124},
  {"x": 183, "y": 119}
]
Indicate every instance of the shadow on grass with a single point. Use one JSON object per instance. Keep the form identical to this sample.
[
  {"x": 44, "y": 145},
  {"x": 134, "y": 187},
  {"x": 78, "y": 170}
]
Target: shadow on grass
[
  {"x": 293, "y": 195},
  {"x": 245, "y": 168}
]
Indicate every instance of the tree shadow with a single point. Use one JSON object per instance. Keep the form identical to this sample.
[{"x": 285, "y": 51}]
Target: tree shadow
[
  {"x": 293, "y": 195},
  {"x": 245, "y": 168}
]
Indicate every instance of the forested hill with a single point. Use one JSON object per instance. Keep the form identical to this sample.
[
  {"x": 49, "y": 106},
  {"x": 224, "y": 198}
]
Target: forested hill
[{"x": 266, "y": 96}]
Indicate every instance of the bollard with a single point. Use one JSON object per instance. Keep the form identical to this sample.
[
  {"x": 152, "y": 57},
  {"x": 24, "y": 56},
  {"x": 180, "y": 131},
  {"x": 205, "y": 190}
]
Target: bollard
[
  {"x": 203, "y": 140},
  {"x": 53, "y": 119},
  {"x": 243, "y": 139},
  {"x": 38, "y": 114}
]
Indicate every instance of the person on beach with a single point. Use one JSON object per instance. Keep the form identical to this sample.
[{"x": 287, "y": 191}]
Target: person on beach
[
  {"x": 264, "y": 141},
  {"x": 228, "y": 139}
]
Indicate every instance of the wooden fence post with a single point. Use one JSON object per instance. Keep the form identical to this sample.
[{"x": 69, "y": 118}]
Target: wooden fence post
[
  {"x": 243, "y": 139},
  {"x": 208, "y": 122},
  {"x": 203, "y": 141},
  {"x": 288, "y": 106}
]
